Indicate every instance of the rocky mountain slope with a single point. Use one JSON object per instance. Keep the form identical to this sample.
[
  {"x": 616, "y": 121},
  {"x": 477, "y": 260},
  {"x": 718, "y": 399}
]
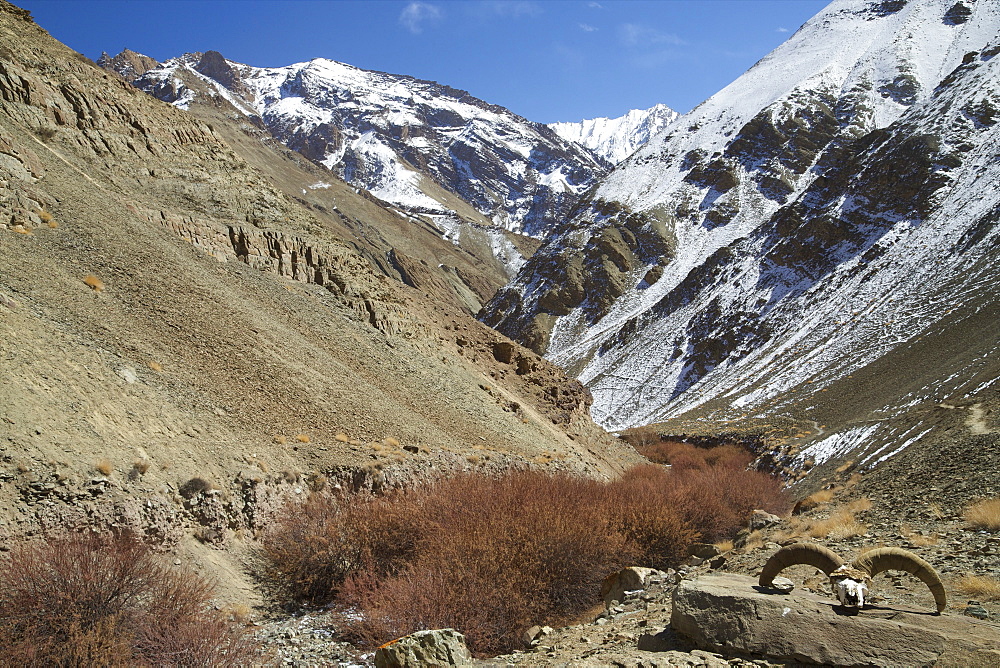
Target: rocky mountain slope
[
  {"x": 615, "y": 139},
  {"x": 810, "y": 249},
  {"x": 187, "y": 339},
  {"x": 400, "y": 138}
]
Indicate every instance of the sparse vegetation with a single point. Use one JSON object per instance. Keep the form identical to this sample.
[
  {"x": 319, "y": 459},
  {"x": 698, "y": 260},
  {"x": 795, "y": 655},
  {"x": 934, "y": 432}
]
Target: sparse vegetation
[
  {"x": 492, "y": 556},
  {"x": 984, "y": 514},
  {"x": 104, "y": 466},
  {"x": 979, "y": 587},
  {"x": 140, "y": 465},
  {"x": 155, "y": 366},
  {"x": 303, "y": 438},
  {"x": 95, "y": 284},
  {"x": 102, "y": 601},
  {"x": 193, "y": 487}
]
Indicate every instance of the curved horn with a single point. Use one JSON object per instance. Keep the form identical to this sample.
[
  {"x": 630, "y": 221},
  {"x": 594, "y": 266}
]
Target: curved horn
[
  {"x": 821, "y": 557},
  {"x": 894, "y": 558}
]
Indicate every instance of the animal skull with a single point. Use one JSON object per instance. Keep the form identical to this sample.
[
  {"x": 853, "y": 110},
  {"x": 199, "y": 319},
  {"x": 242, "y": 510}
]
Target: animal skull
[{"x": 851, "y": 593}]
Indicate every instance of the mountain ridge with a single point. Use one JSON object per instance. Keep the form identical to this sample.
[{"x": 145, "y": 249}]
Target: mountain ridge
[
  {"x": 751, "y": 257},
  {"x": 615, "y": 139},
  {"x": 388, "y": 133}
]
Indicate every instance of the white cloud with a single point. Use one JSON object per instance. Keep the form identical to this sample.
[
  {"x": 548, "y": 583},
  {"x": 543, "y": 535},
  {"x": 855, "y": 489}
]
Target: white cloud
[
  {"x": 586, "y": 27},
  {"x": 416, "y": 14},
  {"x": 510, "y": 8},
  {"x": 782, "y": 30},
  {"x": 595, "y": 5},
  {"x": 638, "y": 36}
]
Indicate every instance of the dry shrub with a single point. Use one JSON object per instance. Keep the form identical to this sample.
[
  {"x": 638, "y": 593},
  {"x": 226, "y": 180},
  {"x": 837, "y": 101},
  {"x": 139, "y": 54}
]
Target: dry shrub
[
  {"x": 280, "y": 439},
  {"x": 93, "y": 282},
  {"x": 984, "y": 514},
  {"x": 493, "y": 556},
  {"x": 681, "y": 455},
  {"x": 391, "y": 442},
  {"x": 497, "y": 556},
  {"x": 315, "y": 546},
  {"x": 342, "y": 438},
  {"x": 108, "y": 601},
  {"x": 155, "y": 366},
  {"x": 140, "y": 465},
  {"x": 979, "y": 587},
  {"x": 104, "y": 466},
  {"x": 302, "y": 438}
]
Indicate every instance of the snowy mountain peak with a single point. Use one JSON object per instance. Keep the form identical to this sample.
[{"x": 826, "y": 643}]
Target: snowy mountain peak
[
  {"x": 614, "y": 139},
  {"x": 425, "y": 148},
  {"x": 815, "y": 221}
]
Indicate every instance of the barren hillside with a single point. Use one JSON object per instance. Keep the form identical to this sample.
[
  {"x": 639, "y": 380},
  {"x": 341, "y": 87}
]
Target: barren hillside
[{"x": 169, "y": 312}]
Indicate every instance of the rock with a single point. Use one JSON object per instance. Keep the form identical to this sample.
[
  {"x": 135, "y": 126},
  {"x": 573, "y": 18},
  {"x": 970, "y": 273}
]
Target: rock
[
  {"x": 425, "y": 649},
  {"x": 783, "y": 585},
  {"x": 627, "y": 579},
  {"x": 729, "y": 613},
  {"x": 530, "y": 636},
  {"x": 974, "y": 609},
  {"x": 704, "y": 550},
  {"x": 760, "y": 519}
]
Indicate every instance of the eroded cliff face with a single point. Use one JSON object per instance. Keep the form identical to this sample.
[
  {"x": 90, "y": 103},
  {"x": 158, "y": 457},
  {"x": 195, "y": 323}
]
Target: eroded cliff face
[
  {"x": 828, "y": 210},
  {"x": 170, "y": 313}
]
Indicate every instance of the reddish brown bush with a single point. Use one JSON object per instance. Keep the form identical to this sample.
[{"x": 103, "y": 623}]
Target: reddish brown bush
[
  {"x": 97, "y": 601},
  {"x": 315, "y": 546},
  {"x": 492, "y": 557},
  {"x": 497, "y": 557}
]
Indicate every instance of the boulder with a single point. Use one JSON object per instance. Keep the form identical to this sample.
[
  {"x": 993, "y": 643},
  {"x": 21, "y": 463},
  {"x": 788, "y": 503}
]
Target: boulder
[
  {"x": 425, "y": 649},
  {"x": 632, "y": 578},
  {"x": 760, "y": 519},
  {"x": 730, "y": 613},
  {"x": 704, "y": 550}
]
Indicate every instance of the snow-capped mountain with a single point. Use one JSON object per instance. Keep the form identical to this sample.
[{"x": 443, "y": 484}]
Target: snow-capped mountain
[
  {"x": 615, "y": 139},
  {"x": 834, "y": 208},
  {"x": 398, "y": 137}
]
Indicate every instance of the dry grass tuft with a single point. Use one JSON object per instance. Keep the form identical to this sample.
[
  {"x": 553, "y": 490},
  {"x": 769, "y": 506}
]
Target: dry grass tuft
[
  {"x": 843, "y": 467},
  {"x": 46, "y": 217},
  {"x": 917, "y": 538},
  {"x": 104, "y": 466},
  {"x": 984, "y": 514},
  {"x": 302, "y": 438},
  {"x": 280, "y": 439},
  {"x": 860, "y": 505},
  {"x": 979, "y": 587},
  {"x": 840, "y": 525},
  {"x": 342, "y": 438},
  {"x": 155, "y": 366},
  {"x": 391, "y": 442},
  {"x": 141, "y": 465},
  {"x": 95, "y": 284},
  {"x": 724, "y": 545}
]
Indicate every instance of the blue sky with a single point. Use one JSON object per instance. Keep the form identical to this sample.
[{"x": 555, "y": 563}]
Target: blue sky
[{"x": 550, "y": 60}]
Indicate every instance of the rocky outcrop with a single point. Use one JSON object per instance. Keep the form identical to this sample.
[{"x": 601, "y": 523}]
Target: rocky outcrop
[
  {"x": 425, "y": 649},
  {"x": 128, "y": 63},
  {"x": 728, "y": 612}
]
